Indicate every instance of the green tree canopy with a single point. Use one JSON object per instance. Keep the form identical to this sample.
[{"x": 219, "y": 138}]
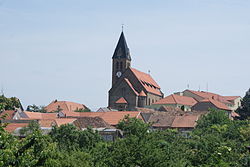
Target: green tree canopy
[
  {"x": 35, "y": 108},
  {"x": 244, "y": 110},
  {"x": 9, "y": 103}
]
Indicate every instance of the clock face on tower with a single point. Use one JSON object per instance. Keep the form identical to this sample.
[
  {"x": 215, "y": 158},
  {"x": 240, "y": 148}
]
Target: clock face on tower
[{"x": 119, "y": 74}]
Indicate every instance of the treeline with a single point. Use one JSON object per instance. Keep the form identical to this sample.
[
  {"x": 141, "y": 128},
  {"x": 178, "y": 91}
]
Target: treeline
[{"x": 217, "y": 141}]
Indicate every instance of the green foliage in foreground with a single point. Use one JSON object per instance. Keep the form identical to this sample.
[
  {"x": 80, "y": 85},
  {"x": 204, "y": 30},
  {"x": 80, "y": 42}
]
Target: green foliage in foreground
[
  {"x": 8, "y": 103},
  {"x": 217, "y": 142},
  {"x": 244, "y": 110}
]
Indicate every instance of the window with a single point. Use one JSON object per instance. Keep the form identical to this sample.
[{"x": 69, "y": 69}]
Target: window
[
  {"x": 148, "y": 101},
  {"x": 121, "y": 65},
  {"x": 152, "y": 101},
  {"x": 117, "y": 65}
]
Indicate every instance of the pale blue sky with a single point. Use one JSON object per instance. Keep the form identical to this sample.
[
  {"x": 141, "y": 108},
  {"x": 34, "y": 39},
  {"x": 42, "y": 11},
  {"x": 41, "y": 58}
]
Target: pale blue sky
[{"x": 62, "y": 49}]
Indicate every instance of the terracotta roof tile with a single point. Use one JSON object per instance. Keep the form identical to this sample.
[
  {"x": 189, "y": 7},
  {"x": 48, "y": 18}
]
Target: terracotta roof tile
[
  {"x": 170, "y": 109},
  {"x": 218, "y": 104},
  {"x": 210, "y": 95},
  {"x": 64, "y": 121},
  {"x": 145, "y": 110},
  {"x": 185, "y": 121},
  {"x": 94, "y": 122},
  {"x": 47, "y": 122},
  {"x": 9, "y": 114},
  {"x": 161, "y": 119},
  {"x": 111, "y": 117},
  {"x": 147, "y": 82},
  {"x": 38, "y": 115},
  {"x": 121, "y": 101},
  {"x": 56, "y": 122},
  {"x": 142, "y": 94},
  {"x": 229, "y": 98},
  {"x": 176, "y": 99},
  {"x": 64, "y": 105},
  {"x": 11, "y": 127}
]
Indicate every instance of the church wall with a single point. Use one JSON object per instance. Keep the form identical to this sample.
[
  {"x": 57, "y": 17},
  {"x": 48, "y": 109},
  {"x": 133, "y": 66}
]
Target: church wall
[
  {"x": 123, "y": 90},
  {"x": 134, "y": 81},
  {"x": 151, "y": 98}
]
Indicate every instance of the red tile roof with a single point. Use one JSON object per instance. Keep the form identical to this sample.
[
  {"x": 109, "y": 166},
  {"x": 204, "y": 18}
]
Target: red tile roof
[
  {"x": 210, "y": 95},
  {"x": 131, "y": 86},
  {"x": 176, "y": 99},
  {"x": 229, "y": 98},
  {"x": 142, "y": 94},
  {"x": 161, "y": 119},
  {"x": 121, "y": 101},
  {"x": 218, "y": 104},
  {"x": 147, "y": 82},
  {"x": 11, "y": 127},
  {"x": 9, "y": 114},
  {"x": 170, "y": 109},
  {"x": 47, "y": 122},
  {"x": 111, "y": 117},
  {"x": 56, "y": 122},
  {"x": 185, "y": 121},
  {"x": 38, "y": 115},
  {"x": 64, "y": 105},
  {"x": 64, "y": 121},
  {"x": 94, "y": 122}
]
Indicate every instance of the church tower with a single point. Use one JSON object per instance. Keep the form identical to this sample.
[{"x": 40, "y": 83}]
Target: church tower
[{"x": 121, "y": 59}]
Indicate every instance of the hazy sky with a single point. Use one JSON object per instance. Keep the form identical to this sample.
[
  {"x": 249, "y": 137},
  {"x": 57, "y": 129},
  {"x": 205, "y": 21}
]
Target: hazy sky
[{"x": 62, "y": 49}]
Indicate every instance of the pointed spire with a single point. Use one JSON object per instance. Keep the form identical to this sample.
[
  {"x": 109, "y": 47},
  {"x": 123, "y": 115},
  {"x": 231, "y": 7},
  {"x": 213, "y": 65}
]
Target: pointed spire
[{"x": 122, "y": 50}]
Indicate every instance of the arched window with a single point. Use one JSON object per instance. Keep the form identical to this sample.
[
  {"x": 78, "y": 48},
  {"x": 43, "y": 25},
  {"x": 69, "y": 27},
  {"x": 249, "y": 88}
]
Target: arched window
[{"x": 148, "y": 101}]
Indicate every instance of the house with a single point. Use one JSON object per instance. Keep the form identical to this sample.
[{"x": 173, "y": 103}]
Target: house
[
  {"x": 65, "y": 106},
  {"x": 183, "y": 102},
  {"x": 111, "y": 117},
  {"x": 105, "y": 109},
  {"x": 169, "y": 109},
  {"x": 91, "y": 122},
  {"x": 8, "y": 114},
  {"x": 130, "y": 87},
  {"x": 206, "y": 104},
  {"x": 160, "y": 120},
  {"x": 185, "y": 123},
  {"x": 35, "y": 115},
  {"x": 232, "y": 102}
]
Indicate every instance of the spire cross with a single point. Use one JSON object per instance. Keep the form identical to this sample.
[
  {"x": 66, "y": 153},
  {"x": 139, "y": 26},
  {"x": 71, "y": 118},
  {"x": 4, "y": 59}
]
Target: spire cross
[{"x": 122, "y": 27}]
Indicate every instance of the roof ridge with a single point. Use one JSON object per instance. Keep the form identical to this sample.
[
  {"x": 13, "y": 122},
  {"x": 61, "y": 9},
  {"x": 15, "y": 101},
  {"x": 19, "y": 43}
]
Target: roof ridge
[
  {"x": 131, "y": 86},
  {"x": 174, "y": 98}
]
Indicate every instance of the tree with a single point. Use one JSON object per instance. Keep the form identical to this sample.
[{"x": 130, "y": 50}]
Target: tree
[
  {"x": 244, "y": 110},
  {"x": 69, "y": 137},
  {"x": 9, "y": 103},
  {"x": 219, "y": 117},
  {"x": 2, "y": 117},
  {"x": 82, "y": 110},
  {"x": 35, "y": 108},
  {"x": 133, "y": 126},
  {"x": 32, "y": 127}
]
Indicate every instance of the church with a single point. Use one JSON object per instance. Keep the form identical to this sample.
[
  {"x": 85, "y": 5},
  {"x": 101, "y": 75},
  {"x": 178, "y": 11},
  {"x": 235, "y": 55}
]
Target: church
[{"x": 131, "y": 88}]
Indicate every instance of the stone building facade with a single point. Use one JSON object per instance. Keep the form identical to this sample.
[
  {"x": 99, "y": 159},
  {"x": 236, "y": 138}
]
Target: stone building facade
[{"x": 130, "y": 87}]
